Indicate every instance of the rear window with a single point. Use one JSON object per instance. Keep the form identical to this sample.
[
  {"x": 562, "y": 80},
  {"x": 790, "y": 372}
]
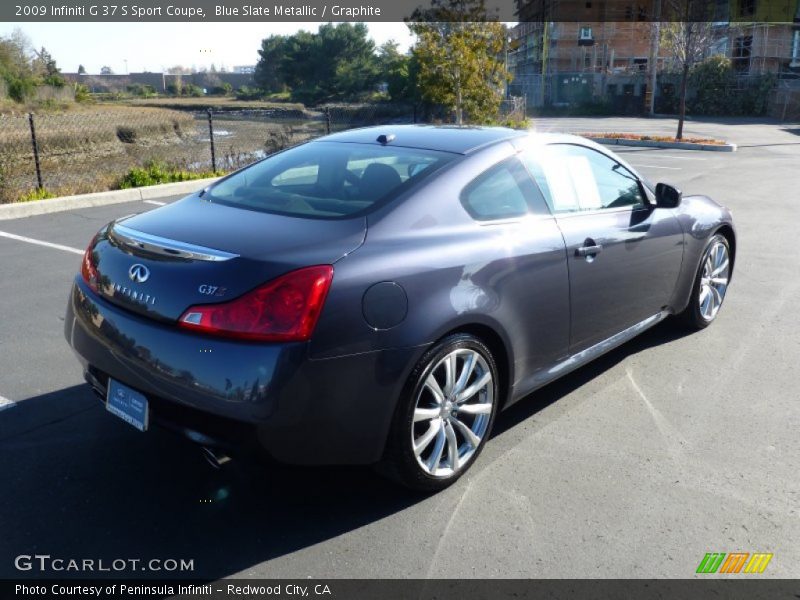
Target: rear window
[{"x": 327, "y": 179}]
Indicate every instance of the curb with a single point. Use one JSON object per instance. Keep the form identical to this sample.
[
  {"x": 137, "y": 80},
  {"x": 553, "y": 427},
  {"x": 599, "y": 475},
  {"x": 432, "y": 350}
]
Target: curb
[
  {"x": 728, "y": 147},
  {"x": 19, "y": 210}
]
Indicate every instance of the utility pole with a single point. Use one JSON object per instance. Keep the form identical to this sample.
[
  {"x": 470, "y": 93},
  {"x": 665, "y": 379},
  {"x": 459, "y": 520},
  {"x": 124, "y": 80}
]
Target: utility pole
[
  {"x": 545, "y": 48},
  {"x": 655, "y": 33}
]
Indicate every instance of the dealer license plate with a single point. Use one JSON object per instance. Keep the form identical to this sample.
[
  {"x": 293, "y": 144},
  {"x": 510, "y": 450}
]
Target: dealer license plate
[{"x": 129, "y": 405}]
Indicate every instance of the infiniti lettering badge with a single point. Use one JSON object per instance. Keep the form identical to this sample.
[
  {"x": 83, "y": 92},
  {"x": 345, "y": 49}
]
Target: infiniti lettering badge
[{"x": 138, "y": 273}]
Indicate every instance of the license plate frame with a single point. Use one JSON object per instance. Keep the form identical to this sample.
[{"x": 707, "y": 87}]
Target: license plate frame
[{"x": 128, "y": 404}]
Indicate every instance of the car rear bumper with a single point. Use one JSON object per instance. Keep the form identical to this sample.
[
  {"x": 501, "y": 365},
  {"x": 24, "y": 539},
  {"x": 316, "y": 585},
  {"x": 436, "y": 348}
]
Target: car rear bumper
[{"x": 228, "y": 392}]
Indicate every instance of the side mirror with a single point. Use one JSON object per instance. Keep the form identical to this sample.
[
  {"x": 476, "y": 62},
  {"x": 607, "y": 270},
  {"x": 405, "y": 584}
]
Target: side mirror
[{"x": 667, "y": 196}]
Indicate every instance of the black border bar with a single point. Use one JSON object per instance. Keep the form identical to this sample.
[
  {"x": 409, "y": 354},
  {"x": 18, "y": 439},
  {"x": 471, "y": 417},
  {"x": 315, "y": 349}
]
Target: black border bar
[
  {"x": 747, "y": 587},
  {"x": 591, "y": 11}
]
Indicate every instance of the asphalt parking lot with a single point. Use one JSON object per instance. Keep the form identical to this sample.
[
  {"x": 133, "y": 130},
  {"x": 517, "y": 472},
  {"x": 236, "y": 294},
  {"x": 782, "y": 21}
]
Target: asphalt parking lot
[{"x": 637, "y": 465}]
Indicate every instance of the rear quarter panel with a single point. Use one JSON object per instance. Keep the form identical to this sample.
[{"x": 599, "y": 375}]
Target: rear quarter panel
[{"x": 509, "y": 276}]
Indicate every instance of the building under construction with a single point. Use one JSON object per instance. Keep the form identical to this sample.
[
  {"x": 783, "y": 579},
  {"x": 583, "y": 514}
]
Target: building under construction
[{"x": 565, "y": 52}]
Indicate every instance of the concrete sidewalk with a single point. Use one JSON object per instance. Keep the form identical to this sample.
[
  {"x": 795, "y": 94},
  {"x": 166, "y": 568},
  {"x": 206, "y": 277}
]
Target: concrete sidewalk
[{"x": 19, "y": 210}]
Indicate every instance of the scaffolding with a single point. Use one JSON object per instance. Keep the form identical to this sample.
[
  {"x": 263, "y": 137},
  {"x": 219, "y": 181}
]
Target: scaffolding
[{"x": 760, "y": 48}]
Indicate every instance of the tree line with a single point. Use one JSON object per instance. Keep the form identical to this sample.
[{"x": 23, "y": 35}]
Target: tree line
[
  {"x": 456, "y": 65},
  {"x": 337, "y": 63},
  {"x": 23, "y": 68}
]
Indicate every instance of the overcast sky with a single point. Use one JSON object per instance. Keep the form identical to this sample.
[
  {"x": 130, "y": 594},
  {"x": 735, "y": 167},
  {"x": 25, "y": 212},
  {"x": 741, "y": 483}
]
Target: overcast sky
[{"x": 153, "y": 46}]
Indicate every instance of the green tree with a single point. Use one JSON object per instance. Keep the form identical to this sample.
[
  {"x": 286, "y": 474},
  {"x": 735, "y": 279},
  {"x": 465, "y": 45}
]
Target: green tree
[
  {"x": 15, "y": 65},
  {"x": 46, "y": 67},
  {"x": 711, "y": 79},
  {"x": 400, "y": 72},
  {"x": 459, "y": 49},
  {"x": 269, "y": 74},
  {"x": 337, "y": 62},
  {"x": 81, "y": 70},
  {"x": 15, "y": 55}
]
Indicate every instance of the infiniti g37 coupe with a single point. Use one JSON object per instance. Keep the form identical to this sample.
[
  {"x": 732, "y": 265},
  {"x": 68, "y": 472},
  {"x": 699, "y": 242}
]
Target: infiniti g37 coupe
[{"x": 376, "y": 296}]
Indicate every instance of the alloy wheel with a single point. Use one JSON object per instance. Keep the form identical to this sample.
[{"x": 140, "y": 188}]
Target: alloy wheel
[
  {"x": 714, "y": 280},
  {"x": 452, "y": 412}
]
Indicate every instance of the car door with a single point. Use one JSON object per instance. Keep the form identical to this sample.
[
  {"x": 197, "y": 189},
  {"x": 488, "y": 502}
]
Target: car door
[
  {"x": 526, "y": 266},
  {"x": 623, "y": 254}
]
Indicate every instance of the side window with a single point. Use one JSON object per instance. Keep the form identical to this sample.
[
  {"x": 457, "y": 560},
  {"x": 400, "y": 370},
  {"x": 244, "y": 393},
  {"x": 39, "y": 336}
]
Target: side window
[
  {"x": 502, "y": 192},
  {"x": 575, "y": 178},
  {"x": 300, "y": 175}
]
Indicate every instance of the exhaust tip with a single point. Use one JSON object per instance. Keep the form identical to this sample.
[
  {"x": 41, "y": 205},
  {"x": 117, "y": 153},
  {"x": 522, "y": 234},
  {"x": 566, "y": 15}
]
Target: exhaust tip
[{"x": 215, "y": 458}]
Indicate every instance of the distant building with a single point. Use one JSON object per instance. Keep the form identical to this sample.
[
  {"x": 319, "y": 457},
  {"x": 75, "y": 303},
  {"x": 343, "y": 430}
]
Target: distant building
[
  {"x": 758, "y": 48},
  {"x": 603, "y": 49},
  {"x": 160, "y": 82},
  {"x": 568, "y": 62},
  {"x": 244, "y": 69}
]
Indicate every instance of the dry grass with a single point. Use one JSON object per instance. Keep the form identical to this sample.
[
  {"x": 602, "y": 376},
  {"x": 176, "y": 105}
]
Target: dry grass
[
  {"x": 70, "y": 130},
  {"x": 88, "y": 149},
  {"x": 218, "y": 102},
  {"x": 93, "y": 149}
]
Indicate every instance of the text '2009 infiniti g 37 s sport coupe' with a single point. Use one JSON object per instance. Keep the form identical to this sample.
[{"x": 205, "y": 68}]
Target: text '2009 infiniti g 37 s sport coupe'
[{"x": 377, "y": 295}]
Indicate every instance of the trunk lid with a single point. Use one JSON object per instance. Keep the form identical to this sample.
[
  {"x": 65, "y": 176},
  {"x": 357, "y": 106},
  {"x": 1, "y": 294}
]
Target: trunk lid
[{"x": 194, "y": 252}]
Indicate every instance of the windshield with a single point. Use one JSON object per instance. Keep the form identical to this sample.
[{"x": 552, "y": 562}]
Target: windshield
[{"x": 327, "y": 179}]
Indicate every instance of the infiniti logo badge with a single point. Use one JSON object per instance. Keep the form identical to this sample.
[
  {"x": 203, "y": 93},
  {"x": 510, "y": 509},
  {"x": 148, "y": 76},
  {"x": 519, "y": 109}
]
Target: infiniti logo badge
[{"x": 139, "y": 273}]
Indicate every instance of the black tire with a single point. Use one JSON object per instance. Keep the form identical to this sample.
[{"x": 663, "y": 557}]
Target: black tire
[
  {"x": 692, "y": 317},
  {"x": 399, "y": 461}
]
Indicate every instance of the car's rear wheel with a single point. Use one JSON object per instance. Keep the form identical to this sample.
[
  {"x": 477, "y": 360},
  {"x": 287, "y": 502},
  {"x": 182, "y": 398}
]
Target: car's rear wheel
[
  {"x": 710, "y": 284},
  {"x": 445, "y": 415}
]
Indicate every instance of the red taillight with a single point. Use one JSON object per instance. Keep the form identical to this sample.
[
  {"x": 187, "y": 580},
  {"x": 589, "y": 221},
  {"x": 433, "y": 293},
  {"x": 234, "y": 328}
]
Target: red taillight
[
  {"x": 284, "y": 309},
  {"x": 88, "y": 268}
]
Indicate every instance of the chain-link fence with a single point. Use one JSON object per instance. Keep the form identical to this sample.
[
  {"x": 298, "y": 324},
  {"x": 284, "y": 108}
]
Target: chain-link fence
[
  {"x": 514, "y": 108},
  {"x": 785, "y": 103},
  {"x": 98, "y": 149}
]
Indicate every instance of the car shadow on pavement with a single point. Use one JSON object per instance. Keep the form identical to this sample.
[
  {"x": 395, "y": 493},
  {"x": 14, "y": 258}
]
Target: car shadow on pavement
[
  {"x": 663, "y": 333},
  {"x": 80, "y": 483}
]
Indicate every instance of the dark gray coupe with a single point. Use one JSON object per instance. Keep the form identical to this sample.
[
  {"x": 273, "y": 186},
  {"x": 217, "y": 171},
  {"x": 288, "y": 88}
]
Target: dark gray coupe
[{"x": 376, "y": 296}]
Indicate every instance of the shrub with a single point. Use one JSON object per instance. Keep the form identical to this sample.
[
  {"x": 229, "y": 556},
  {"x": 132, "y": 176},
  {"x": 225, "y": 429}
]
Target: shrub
[
  {"x": 19, "y": 89},
  {"x": 36, "y": 194},
  {"x": 142, "y": 90},
  {"x": 247, "y": 93},
  {"x": 191, "y": 89},
  {"x": 82, "y": 93},
  {"x": 715, "y": 89},
  {"x": 155, "y": 172},
  {"x": 223, "y": 89}
]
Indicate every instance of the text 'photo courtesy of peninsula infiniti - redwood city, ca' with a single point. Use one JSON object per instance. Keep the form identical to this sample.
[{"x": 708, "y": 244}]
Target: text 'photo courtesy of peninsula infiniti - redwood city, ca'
[{"x": 376, "y": 296}]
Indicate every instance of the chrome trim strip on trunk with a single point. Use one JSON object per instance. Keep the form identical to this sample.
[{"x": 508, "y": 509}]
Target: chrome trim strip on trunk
[{"x": 166, "y": 247}]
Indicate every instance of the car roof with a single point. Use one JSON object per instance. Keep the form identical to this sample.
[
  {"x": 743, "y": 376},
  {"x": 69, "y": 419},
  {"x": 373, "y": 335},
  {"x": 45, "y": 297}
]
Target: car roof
[{"x": 445, "y": 138}]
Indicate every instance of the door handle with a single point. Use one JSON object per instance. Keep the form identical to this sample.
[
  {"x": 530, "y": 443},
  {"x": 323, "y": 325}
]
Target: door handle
[{"x": 589, "y": 250}]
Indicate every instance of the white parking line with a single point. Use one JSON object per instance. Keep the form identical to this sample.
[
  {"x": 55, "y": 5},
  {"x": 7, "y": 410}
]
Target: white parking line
[
  {"x": 657, "y": 167},
  {"x": 154, "y": 202},
  {"x": 6, "y": 403},
  {"x": 676, "y": 157},
  {"x": 21, "y": 238}
]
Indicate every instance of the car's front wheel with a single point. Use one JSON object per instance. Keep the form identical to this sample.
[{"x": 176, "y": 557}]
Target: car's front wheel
[
  {"x": 710, "y": 284},
  {"x": 444, "y": 416}
]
